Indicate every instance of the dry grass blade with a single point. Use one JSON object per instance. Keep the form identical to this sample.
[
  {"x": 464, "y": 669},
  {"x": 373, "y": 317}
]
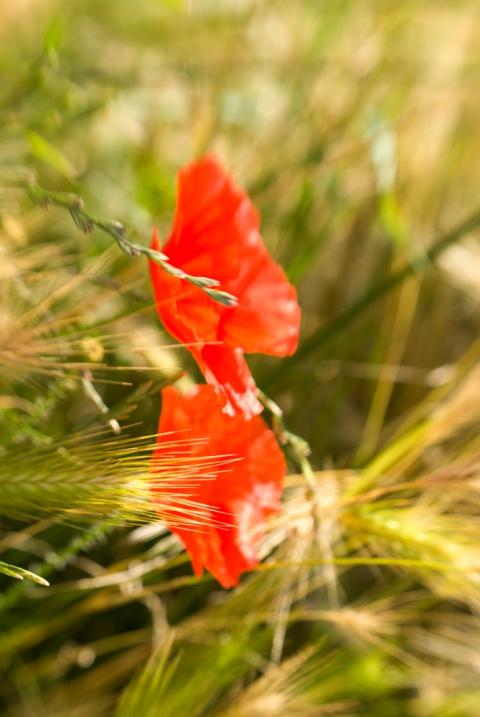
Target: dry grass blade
[{"x": 304, "y": 685}]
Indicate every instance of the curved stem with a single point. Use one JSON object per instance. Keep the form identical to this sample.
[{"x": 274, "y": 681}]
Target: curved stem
[{"x": 86, "y": 222}]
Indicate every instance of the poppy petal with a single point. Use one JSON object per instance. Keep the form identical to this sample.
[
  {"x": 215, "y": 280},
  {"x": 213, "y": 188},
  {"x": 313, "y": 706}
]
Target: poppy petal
[
  {"x": 226, "y": 370},
  {"x": 186, "y": 311},
  {"x": 216, "y": 234},
  {"x": 212, "y": 220},
  {"x": 238, "y": 496},
  {"x": 267, "y": 318}
]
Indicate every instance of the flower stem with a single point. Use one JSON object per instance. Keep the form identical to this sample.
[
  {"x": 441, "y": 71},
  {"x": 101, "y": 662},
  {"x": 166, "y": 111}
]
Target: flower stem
[
  {"x": 86, "y": 222},
  {"x": 296, "y": 445}
]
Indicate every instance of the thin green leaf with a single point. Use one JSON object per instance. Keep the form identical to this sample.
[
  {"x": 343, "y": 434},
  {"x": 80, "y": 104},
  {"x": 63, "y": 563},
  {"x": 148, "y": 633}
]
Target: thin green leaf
[{"x": 14, "y": 571}]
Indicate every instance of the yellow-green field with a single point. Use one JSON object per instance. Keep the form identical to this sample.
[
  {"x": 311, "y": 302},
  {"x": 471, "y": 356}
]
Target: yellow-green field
[{"x": 354, "y": 125}]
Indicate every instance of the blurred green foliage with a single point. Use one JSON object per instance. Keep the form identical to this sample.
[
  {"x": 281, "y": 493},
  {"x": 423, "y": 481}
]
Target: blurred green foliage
[{"x": 354, "y": 126}]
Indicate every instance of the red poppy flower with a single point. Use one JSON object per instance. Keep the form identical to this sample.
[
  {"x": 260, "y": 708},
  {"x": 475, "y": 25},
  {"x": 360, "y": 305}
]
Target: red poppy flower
[
  {"x": 216, "y": 234},
  {"x": 239, "y": 495}
]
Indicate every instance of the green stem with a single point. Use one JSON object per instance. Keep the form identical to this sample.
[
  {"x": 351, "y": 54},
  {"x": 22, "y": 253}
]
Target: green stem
[
  {"x": 296, "y": 445},
  {"x": 87, "y": 222}
]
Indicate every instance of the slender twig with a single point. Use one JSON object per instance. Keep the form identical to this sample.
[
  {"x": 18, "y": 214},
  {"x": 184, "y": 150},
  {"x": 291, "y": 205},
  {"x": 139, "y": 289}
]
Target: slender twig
[
  {"x": 86, "y": 222},
  {"x": 295, "y": 445}
]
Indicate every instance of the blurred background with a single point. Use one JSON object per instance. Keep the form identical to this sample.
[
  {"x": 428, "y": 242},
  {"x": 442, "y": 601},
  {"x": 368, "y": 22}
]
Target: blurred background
[{"x": 354, "y": 128}]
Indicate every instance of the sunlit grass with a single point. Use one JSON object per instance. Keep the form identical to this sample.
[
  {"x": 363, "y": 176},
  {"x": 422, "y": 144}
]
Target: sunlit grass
[{"x": 355, "y": 128}]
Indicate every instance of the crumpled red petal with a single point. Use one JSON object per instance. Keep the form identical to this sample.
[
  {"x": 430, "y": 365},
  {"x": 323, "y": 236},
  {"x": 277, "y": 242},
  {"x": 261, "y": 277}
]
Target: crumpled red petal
[
  {"x": 216, "y": 234},
  {"x": 240, "y": 495},
  {"x": 226, "y": 370}
]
